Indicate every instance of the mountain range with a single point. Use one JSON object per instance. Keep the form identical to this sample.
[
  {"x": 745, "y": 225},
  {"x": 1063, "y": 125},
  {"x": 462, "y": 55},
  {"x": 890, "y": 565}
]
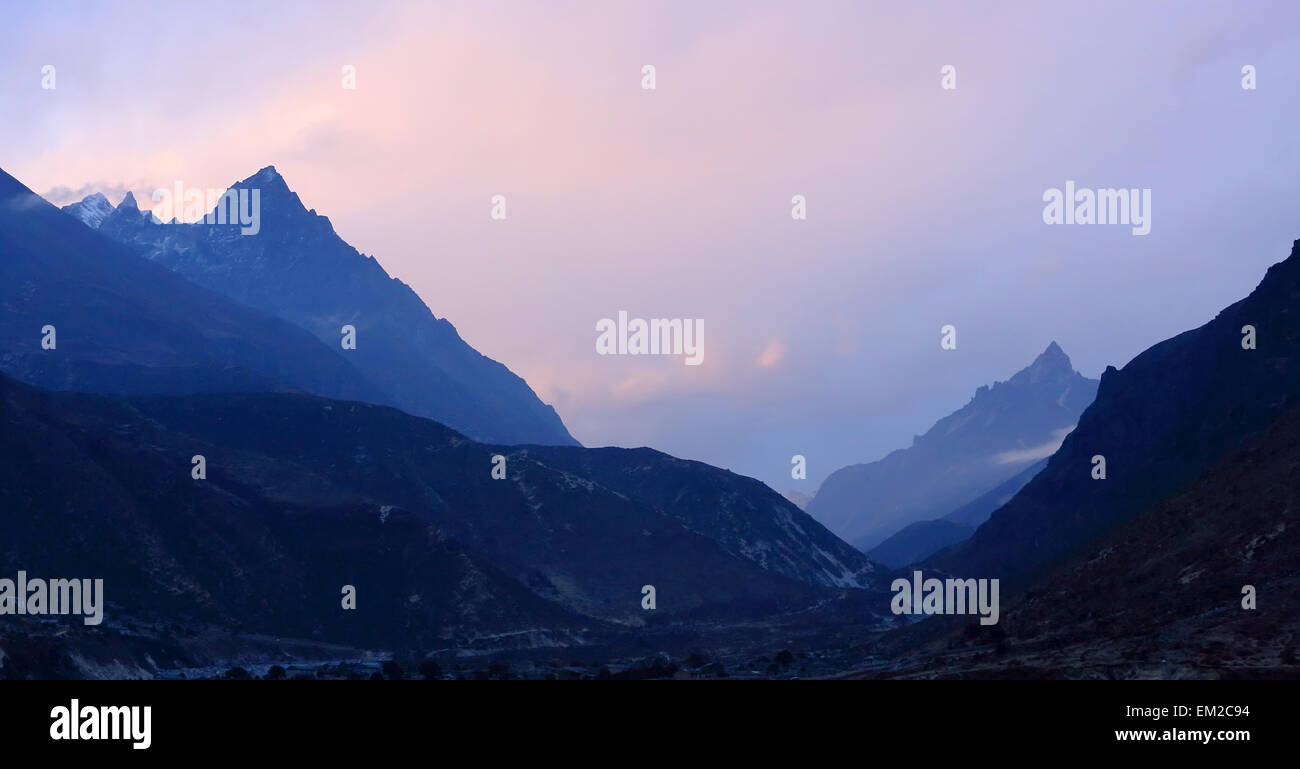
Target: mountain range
[
  {"x": 1127, "y": 518},
  {"x": 120, "y": 324},
  {"x": 297, "y": 268},
  {"x": 450, "y": 543}
]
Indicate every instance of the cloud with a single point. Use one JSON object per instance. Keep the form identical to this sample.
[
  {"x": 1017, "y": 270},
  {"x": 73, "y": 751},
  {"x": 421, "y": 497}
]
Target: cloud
[
  {"x": 639, "y": 388},
  {"x": 24, "y": 202},
  {"x": 62, "y": 196},
  {"x": 772, "y": 355},
  {"x": 1033, "y": 453}
]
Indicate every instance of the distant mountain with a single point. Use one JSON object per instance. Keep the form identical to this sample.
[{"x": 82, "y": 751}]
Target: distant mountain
[
  {"x": 993, "y": 438},
  {"x": 978, "y": 510},
  {"x": 92, "y": 211},
  {"x": 800, "y": 499},
  {"x": 1160, "y": 423},
  {"x": 297, "y": 268},
  {"x": 122, "y": 324},
  {"x": 918, "y": 540},
  {"x": 304, "y": 495},
  {"x": 922, "y": 539}
]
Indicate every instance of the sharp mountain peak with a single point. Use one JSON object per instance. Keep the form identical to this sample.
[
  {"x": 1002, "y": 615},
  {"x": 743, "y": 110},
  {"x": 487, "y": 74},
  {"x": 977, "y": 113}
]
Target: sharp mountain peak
[{"x": 1052, "y": 364}]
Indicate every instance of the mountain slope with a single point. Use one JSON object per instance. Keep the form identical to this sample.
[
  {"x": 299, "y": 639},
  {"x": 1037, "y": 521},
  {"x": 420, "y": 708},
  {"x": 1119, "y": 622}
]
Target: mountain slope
[
  {"x": 920, "y": 540},
  {"x": 578, "y": 524},
  {"x": 744, "y": 516},
  {"x": 1160, "y": 422},
  {"x": 297, "y": 268},
  {"x": 307, "y": 494},
  {"x": 90, "y": 487},
  {"x": 978, "y": 510},
  {"x": 125, "y": 325},
  {"x": 994, "y": 437},
  {"x": 1159, "y": 595}
]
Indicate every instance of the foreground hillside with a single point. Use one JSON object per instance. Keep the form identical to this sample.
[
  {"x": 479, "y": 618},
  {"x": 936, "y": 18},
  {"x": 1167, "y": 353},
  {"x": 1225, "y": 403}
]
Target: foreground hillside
[
  {"x": 1159, "y": 596},
  {"x": 304, "y": 496}
]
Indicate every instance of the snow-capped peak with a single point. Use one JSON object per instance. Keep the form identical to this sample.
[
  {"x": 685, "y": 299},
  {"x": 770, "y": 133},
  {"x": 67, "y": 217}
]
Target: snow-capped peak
[{"x": 92, "y": 210}]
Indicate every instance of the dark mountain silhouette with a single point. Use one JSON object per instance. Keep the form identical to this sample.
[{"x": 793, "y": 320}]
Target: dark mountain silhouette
[
  {"x": 92, "y": 487},
  {"x": 743, "y": 515},
  {"x": 570, "y": 519},
  {"x": 1161, "y": 423},
  {"x": 304, "y": 495},
  {"x": 1159, "y": 595},
  {"x": 297, "y": 268},
  {"x": 993, "y": 438},
  {"x": 125, "y": 325}
]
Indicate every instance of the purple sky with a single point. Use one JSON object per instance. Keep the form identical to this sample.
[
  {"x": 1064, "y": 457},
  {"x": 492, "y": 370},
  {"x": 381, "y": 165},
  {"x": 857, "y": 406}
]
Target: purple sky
[{"x": 821, "y": 336}]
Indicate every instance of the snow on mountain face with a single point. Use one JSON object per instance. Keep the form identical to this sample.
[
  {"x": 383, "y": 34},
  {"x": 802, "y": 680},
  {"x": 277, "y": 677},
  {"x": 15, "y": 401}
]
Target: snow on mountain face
[{"x": 91, "y": 211}]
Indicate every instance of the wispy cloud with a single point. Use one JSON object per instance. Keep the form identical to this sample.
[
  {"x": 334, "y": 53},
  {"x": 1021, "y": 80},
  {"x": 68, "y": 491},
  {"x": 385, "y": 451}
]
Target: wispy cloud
[
  {"x": 772, "y": 354},
  {"x": 1033, "y": 453},
  {"x": 114, "y": 191}
]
